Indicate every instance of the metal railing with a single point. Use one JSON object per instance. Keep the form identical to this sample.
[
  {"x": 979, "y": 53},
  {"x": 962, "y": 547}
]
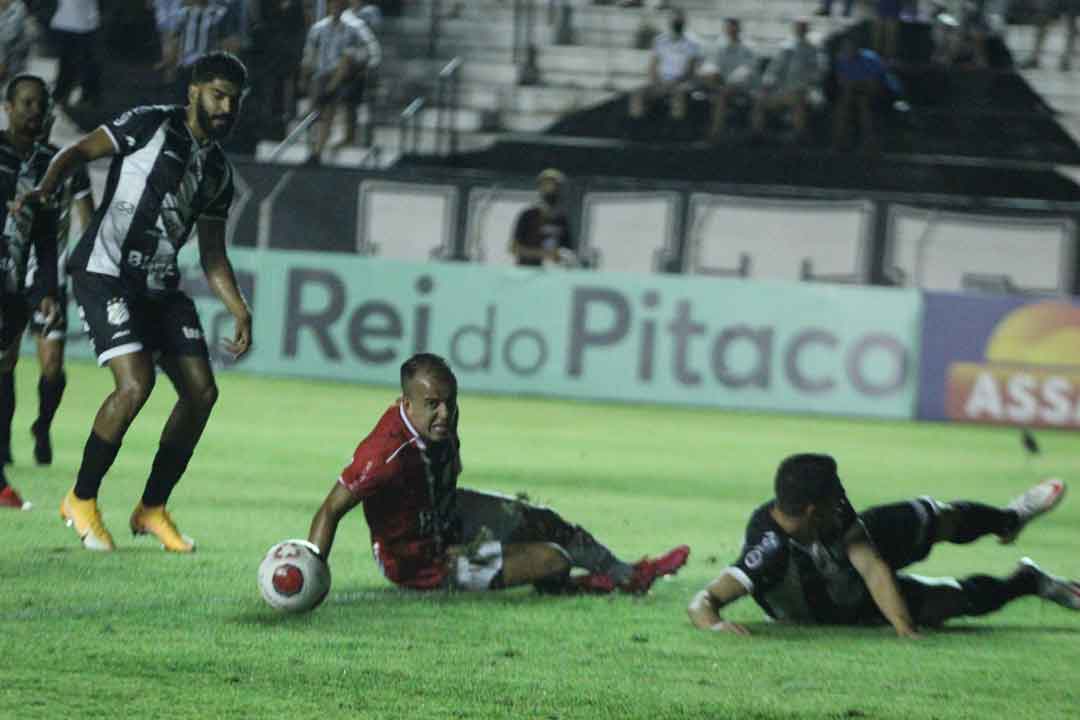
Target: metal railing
[
  {"x": 409, "y": 127},
  {"x": 446, "y": 107}
]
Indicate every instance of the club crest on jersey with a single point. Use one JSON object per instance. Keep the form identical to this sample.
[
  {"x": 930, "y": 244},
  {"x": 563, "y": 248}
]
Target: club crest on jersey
[{"x": 116, "y": 311}]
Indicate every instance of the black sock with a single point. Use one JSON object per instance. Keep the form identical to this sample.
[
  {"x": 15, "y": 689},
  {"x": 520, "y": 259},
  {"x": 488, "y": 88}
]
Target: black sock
[
  {"x": 98, "y": 457},
  {"x": 49, "y": 394},
  {"x": 170, "y": 462},
  {"x": 973, "y": 520},
  {"x": 3, "y": 481},
  {"x": 7, "y": 412},
  {"x": 986, "y": 594}
]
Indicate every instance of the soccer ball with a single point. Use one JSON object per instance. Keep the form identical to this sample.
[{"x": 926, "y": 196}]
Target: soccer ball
[{"x": 293, "y": 577}]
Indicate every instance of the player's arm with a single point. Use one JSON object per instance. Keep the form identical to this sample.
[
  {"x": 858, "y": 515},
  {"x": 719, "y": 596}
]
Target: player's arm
[
  {"x": 704, "y": 609},
  {"x": 324, "y": 525},
  {"x": 881, "y": 581},
  {"x": 93, "y": 146},
  {"x": 222, "y": 281}
]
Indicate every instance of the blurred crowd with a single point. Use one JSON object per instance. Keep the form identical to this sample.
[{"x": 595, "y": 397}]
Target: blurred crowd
[{"x": 328, "y": 49}]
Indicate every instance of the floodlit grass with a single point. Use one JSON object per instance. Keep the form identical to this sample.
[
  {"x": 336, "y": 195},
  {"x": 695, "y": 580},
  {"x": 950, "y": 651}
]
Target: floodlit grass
[{"x": 139, "y": 633}]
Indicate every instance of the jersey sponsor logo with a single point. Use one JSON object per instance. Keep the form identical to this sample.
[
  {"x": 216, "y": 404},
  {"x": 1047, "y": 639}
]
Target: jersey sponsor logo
[
  {"x": 753, "y": 558},
  {"x": 191, "y": 333},
  {"x": 756, "y": 555},
  {"x": 116, "y": 311},
  {"x": 124, "y": 208}
]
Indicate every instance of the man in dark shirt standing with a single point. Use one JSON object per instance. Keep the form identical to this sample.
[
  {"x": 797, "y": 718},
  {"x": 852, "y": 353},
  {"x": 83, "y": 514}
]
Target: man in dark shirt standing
[
  {"x": 809, "y": 558},
  {"x": 25, "y": 232},
  {"x": 542, "y": 232},
  {"x": 168, "y": 173}
]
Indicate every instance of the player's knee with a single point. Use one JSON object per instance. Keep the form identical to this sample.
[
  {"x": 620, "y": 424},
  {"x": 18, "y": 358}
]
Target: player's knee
[
  {"x": 552, "y": 559},
  {"x": 131, "y": 395},
  {"x": 204, "y": 398}
]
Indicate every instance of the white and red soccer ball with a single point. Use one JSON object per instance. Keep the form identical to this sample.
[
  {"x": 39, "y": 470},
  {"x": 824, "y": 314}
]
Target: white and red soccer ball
[{"x": 293, "y": 577}]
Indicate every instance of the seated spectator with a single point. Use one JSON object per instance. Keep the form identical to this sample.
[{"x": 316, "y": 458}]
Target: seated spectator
[
  {"x": 542, "y": 231},
  {"x": 198, "y": 27},
  {"x": 734, "y": 75},
  {"x": 789, "y": 80},
  {"x": 366, "y": 76},
  {"x": 75, "y": 32},
  {"x": 863, "y": 83},
  {"x": 673, "y": 67},
  {"x": 1047, "y": 11},
  {"x": 15, "y": 38},
  {"x": 335, "y": 57}
]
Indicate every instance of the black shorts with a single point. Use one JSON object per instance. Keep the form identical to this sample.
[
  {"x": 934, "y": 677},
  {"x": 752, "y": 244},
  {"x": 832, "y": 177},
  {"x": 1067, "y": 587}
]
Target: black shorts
[
  {"x": 37, "y": 321},
  {"x": 14, "y": 314},
  {"x": 121, "y": 321},
  {"x": 902, "y": 532}
]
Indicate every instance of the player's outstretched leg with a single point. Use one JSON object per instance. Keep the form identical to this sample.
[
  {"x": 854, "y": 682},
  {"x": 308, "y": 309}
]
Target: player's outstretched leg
[
  {"x": 196, "y": 394},
  {"x": 964, "y": 521}
]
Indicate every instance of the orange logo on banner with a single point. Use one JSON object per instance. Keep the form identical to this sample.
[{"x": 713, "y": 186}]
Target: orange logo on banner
[{"x": 1031, "y": 375}]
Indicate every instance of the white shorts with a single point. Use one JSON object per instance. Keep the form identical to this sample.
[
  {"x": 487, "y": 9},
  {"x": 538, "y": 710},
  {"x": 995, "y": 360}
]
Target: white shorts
[{"x": 478, "y": 570}]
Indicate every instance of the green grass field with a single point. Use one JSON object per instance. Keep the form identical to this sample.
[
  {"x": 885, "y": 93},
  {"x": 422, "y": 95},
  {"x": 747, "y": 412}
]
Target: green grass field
[{"x": 139, "y": 633}]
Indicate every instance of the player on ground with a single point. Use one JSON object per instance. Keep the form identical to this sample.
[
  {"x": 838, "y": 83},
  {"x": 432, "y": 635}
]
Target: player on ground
[
  {"x": 25, "y": 159},
  {"x": 809, "y": 558},
  {"x": 29, "y": 230},
  {"x": 168, "y": 175},
  {"x": 427, "y": 533}
]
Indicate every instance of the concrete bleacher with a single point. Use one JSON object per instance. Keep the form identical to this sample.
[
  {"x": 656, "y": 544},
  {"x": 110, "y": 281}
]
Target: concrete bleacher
[{"x": 602, "y": 60}]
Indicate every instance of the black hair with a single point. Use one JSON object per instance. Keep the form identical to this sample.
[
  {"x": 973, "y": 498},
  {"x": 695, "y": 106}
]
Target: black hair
[
  {"x": 428, "y": 363},
  {"x": 9, "y": 91},
  {"x": 219, "y": 65},
  {"x": 806, "y": 479}
]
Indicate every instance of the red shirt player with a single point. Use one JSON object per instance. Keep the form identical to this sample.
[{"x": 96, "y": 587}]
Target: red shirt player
[{"x": 427, "y": 533}]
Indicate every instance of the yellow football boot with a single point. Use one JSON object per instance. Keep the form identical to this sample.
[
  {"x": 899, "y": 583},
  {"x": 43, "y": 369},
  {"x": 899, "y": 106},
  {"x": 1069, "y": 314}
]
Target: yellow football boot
[
  {"x": 84, "y": 517},
  {"x": 157, "y": 521}
]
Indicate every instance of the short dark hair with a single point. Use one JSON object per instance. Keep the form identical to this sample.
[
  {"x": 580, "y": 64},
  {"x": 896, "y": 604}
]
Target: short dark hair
[
  {"x": 806, "y": 479},
  {"x": 12, "y": 86},
  {"x": 219, "y": 65},
  {"x": 429, "y": 363}
]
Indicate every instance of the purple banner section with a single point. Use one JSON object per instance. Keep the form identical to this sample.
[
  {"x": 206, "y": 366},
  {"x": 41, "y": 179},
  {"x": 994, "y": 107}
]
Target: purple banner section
[{"x": 1000, "y": 360}]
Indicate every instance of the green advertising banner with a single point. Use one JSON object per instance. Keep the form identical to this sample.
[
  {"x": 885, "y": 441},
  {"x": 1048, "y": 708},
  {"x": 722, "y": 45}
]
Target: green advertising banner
[{"x": 640, "y": 338}]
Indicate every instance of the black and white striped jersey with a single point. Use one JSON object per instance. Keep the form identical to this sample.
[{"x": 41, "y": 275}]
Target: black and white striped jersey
[
  {"x": 21, "y": 231},
  {"x": 75, "y": 188},
  {"x": 161, "y": 181},
  {"x": 813, "y": 583}
]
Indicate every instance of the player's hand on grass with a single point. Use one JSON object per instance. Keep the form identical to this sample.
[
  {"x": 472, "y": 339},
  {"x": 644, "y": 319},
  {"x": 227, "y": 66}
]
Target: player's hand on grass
[
  {"x": 241, "y": 341},
  {"x": 729, "y": 627}
]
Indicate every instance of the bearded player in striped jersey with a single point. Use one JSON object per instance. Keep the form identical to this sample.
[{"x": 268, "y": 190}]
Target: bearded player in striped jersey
[
  {"x": 427, "y": 533},
  {"x": 168, "y": 174},
  {"x": 809, "y": 558}
]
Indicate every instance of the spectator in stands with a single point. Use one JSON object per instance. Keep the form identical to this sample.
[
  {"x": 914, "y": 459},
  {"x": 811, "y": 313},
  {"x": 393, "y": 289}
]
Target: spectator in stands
[
  {"x": 826, "y": 8},
  {"x": 198, "y": 28},
  {"x": 75, "y": 28},
  {"x": 14, "y": 39},
  {"x": 284, "y": 29},
  {"x": 789, "y": 80},
  {"x": 673, "y": 68},
  {"x": 734, "y": 76},
  {"x": 1046, "y": 12},
  {"x": 863, "y": 84},
  {"x": 367, "y": 76},
  {"x": 542, "y": 231},
  {"x": 335, "y": 58},
  {"x": 887, "y": 28}
]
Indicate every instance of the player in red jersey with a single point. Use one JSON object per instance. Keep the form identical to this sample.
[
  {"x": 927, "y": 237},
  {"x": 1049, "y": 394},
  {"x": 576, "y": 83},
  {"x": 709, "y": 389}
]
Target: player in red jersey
[{"x": 427, "y": 533}]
